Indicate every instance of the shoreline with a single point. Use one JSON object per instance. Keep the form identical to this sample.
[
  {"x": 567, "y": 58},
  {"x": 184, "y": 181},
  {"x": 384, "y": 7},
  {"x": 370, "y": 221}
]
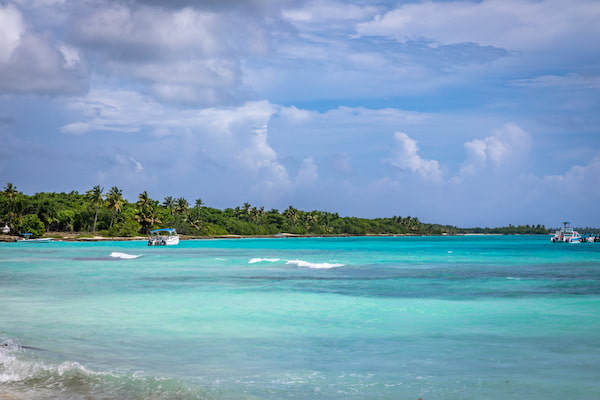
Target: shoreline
[
  {"x": 85, "y": 237},
  {"x": 89, "y": 238}
]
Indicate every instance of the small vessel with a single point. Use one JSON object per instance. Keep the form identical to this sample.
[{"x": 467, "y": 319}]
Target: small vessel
[
  {"x": 27, "y": 238},
  {"x": 566, "y": 234},
  {"x": 163, "y": 237}
]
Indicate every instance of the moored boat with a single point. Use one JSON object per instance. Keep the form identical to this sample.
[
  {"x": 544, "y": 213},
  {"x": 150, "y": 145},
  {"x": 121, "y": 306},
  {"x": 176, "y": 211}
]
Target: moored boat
[
  {"x": 163, "y": 237},
  {"x": 27, "y": 238},
  {"x": 566, "y": 234}
]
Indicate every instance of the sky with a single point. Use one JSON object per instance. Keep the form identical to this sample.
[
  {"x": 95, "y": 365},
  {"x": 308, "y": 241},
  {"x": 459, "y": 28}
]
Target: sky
[{"x": 468, "y": 113}]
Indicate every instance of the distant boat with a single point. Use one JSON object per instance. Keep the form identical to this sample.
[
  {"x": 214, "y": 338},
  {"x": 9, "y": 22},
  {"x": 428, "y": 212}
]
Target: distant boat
[
  {"x": 163, "y": 237},
  {"x": 566, "y": 234},
  {"x": 27, "y": 238}
]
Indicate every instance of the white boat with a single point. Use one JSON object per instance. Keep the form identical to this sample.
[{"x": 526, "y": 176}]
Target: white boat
[
  {"x": 27, "y": 236},
  {"x": 163, "y": 237},
  {"x": 566, "y": 234}
]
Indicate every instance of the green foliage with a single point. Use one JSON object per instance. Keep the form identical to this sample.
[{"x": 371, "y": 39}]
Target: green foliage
[
  {"x": 112, "y": 215},
  {"x": 66, "y": 219},
  {"x": 30, "y": 223},
  {"x": 126, "y": 228},
  {"x": 509, "y": 230}
]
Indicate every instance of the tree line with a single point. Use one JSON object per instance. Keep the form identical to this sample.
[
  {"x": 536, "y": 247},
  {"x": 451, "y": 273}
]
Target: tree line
[{"x": 109, "y": 214}]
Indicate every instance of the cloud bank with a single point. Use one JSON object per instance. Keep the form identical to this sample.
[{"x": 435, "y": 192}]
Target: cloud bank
[{"x": 470, "y": 113}]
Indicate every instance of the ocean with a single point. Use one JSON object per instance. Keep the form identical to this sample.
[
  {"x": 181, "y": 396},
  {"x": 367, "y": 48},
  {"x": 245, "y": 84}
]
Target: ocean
[{"x": 448, "y": 318}]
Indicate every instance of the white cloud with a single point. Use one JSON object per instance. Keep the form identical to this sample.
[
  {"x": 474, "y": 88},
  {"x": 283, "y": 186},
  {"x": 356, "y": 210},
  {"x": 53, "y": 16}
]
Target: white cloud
[
  {"x": 582, "y": 179},
  {"x": 192, "y": 56},
  {"x": 118, "y": 111},
  {"x": 327, "y": 12},
  {"x": 259, "y": 158},
  {"x": 406, "y": 157},
  {"x": 127, "y": 163},
  {"x": 308, "y": 174},
  {"x": 569, "y": 81},
  {"x": 31, "y": 62},
  {"x": 12, "y": 27},
  {"x": 235, "y": 138},
  {"x": 504, "y": 149},
  {"x": 509, "y": 24}
]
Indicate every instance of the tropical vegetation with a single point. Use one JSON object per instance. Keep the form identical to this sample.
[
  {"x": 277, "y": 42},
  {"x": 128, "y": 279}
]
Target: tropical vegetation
[{"x": 109, "y": 214}]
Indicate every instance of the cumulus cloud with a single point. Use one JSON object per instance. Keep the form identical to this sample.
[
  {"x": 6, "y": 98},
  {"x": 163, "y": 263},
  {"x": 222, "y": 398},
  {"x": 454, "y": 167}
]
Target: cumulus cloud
[
  {"x": 578, "y": 179},
  {"x": 258, "y": 157},
  {"x": 231, "y": 138},
  {"x": 192, "y": 56},
  {"x": 32, "y": 62},
  {"x": 504, "y": 149},
  {"x": 406, "y": 157}
]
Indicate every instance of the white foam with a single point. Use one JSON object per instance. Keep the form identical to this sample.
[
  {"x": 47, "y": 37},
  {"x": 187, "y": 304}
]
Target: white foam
[
  {"x": 257, "y": 260},
  {"x": 306, "y": 264},
  {"x": 124, "y": 256}
]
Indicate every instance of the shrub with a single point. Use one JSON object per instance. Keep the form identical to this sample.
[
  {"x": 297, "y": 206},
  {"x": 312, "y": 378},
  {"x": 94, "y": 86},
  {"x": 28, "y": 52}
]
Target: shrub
[{"x": 30, "y": 223}]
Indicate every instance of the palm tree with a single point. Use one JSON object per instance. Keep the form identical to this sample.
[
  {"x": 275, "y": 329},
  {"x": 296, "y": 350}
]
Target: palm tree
[
  {"x": 94, "y": 196},
  {"x": 181, "y": 210},
  {"x": 11, "y": 193},
  {"x": 291, "y": 213},
  {"x": 146, "y": 212},
  {"x": 181, "y": 205},
  {"x": 246, "y": 211},
  {"x": 144, "y": 200},
  {"x": 256, "y": 214},
  {"x": 169, "y": 204},
  {"x": 115, "y": 202},
  {"x": 310, "y": 219}
]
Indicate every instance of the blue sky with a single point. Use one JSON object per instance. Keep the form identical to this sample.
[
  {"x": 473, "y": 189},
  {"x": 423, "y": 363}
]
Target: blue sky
[{"x": 470, "y": 113}]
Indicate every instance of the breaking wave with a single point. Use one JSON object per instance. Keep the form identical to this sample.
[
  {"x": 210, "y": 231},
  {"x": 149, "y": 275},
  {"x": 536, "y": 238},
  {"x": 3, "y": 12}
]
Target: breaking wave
[
  {"x": 298, "y": 263},
  {"x": 306, "y": 264},
  {"x": 23, "y": 376},
  {"x": 124, "y": 256},
  {"x": 257, "y": 260}
]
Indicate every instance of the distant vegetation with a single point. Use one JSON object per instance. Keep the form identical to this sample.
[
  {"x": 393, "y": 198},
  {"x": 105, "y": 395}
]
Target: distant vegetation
[{"x": 109, "y": 214}]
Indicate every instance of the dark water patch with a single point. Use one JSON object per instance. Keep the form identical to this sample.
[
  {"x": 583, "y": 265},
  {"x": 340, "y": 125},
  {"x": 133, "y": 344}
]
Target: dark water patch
[
  {"x": 107, "y": 258},
  {"x": 443, "y": 286}
]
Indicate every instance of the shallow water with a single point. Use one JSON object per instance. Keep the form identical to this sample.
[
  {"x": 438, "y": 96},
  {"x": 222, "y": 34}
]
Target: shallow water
[{"x": 475, "y": 317}]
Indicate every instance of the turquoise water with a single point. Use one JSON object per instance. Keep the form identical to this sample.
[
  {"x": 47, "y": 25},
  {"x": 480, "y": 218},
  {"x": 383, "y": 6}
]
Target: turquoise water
[{"x": 473, "y": 317}]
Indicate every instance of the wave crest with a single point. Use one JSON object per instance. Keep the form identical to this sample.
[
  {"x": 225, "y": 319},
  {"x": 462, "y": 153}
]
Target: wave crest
[
  {"x": 124, "y": 256},
  {"x": 306, "y": 264},
  {"x": 23, "y": 376},
  {"x": 257, "y": 260}
]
